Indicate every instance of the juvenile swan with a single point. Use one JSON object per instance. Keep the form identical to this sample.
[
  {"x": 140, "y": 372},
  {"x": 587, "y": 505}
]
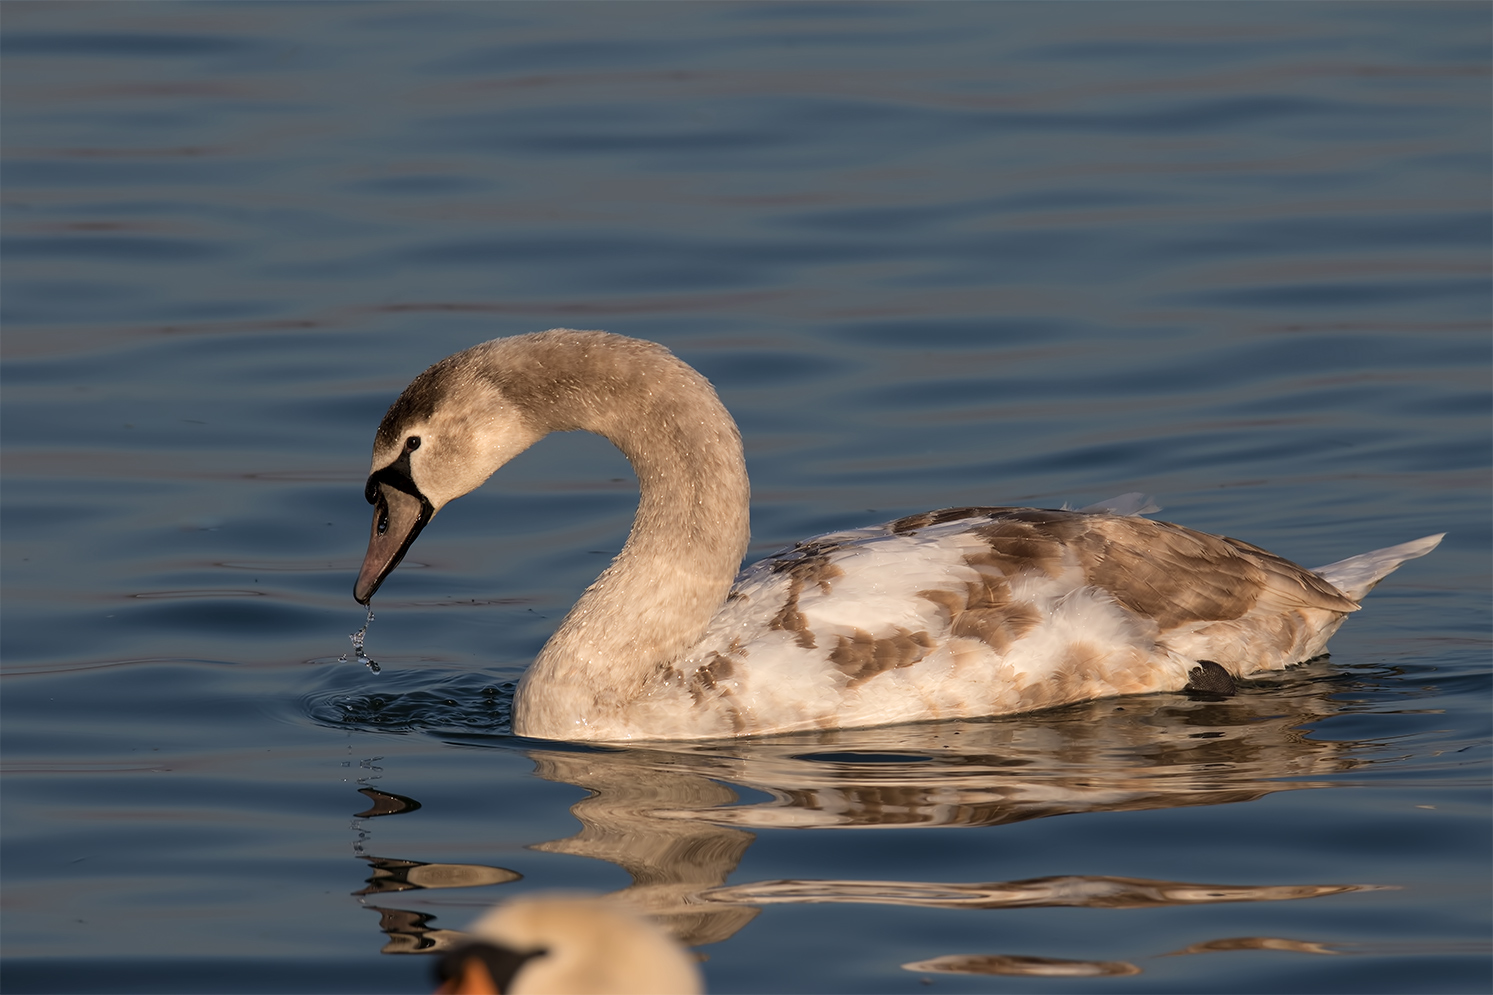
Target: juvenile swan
[{"x": 948, "y": 614}]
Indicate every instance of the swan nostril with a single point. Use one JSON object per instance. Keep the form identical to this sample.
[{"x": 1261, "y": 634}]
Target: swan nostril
[{"x": 383, "y": 522}]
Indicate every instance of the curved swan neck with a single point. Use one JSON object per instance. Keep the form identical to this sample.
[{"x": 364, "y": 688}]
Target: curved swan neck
[{"x": 691, "y": 529}]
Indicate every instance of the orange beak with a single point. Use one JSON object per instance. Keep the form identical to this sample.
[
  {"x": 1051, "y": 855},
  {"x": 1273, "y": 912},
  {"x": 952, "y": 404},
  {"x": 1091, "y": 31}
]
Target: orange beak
[{"x": 474, "y": 979}]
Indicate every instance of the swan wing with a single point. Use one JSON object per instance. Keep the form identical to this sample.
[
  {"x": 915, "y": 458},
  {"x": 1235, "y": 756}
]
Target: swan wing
[{"x": 979, "y": 611}]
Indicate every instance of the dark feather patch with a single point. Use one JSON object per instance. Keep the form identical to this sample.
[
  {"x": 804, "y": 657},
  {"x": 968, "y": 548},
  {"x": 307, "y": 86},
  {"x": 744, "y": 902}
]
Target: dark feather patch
[
  {"x": 923, "y": 520},
  {"x": 1160, "y": 571},
  {"x": 986, "y": 611},
  {"x": 862, "y": 657},
  {"x": 806, "y": 563},
  {"x": 417, "y": 403}
]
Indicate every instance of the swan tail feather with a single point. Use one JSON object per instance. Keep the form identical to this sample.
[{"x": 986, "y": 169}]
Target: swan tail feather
[
  {"x": 1132, "y": 504},
  {"x": 1357, "y": 575}
]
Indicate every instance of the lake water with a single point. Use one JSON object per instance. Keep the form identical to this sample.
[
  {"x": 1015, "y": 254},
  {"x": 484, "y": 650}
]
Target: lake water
[{"x": 1236, "y": 256}]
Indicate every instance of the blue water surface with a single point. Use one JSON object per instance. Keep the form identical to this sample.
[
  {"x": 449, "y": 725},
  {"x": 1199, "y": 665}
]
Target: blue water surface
[{"x": 1233, "y": 255}]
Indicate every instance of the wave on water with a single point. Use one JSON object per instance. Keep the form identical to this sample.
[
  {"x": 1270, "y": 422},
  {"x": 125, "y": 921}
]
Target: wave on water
[{"x": 414, "y": 700}]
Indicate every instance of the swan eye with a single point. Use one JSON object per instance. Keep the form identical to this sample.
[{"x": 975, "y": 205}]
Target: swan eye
[{"x": 412, "y": 443}]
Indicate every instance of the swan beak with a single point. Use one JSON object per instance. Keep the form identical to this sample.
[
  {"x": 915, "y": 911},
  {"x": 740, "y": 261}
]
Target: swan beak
[
  {"x": 475, "y": 979},
  {"x": 398, "y": 517},
  {"x": 483, "y": 968}
]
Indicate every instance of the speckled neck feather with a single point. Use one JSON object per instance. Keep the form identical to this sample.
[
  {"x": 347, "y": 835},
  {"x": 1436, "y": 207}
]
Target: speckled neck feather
[{"x": 656, "y": 598}]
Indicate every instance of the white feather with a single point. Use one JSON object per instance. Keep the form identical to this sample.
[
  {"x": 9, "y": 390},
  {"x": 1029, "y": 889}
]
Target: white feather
[{"x": 1357, "y": 575}]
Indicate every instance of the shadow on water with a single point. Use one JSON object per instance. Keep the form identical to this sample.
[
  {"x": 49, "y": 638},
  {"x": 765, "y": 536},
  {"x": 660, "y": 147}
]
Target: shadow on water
[{"x": 678, "y": 819}]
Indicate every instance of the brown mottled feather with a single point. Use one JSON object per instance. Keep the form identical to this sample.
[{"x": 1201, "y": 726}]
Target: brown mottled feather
[
  {"x": 1256, "y": 606},
  {"x": 806, "y": 563},
  {"x": 1178, "y": 576},
  {"x": 1167, "y": 572},
  {"x": 861, "y": 656}
]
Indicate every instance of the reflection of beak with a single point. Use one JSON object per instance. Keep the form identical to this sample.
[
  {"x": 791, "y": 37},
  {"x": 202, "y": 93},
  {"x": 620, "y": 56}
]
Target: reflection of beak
[{"x": 398, "y": 517}]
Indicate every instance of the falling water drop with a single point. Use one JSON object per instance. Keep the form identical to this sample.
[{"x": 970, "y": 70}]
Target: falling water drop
[{"x": 357, "y": 638}]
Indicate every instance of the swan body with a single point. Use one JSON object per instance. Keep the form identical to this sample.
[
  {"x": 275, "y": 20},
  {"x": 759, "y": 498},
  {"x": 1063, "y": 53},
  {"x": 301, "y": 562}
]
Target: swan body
[{"x": 955, "y": 613}]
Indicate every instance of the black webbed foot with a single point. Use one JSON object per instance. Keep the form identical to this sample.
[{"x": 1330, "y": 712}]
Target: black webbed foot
[{"x": 1210, "y": 682}]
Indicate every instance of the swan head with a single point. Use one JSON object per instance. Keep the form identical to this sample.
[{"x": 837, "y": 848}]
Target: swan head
[
  {"x": 568, "y": 943},
  {"x": 444, "y": 436}
]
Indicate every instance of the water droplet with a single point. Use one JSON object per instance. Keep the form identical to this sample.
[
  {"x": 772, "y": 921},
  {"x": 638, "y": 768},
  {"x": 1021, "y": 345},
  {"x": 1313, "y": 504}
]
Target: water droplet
[{"x": 357, "y": 638}]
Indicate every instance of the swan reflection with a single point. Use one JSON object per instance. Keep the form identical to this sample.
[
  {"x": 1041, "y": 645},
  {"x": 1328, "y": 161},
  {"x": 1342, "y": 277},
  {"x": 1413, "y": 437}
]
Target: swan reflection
[
  {"x": 1051, "y": 967},
  {"x": 413, "y": 875},
  {"x": 1014, "y": 964},
  {"x": 1142, "y": 753},
  {"x": 679, "y": 820}
]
